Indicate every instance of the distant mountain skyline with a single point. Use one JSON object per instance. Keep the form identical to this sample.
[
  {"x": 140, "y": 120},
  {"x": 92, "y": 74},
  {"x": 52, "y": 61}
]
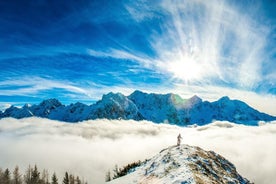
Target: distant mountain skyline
[
  {"x": 79, "y": 50},
  {"x": 158, "y": 108}
]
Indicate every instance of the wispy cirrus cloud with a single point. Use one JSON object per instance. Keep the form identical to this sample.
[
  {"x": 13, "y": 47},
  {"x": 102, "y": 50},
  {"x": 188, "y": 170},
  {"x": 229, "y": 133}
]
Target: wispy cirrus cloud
[
  {"x": 33, "y": 85},
  {"x": 123, "y": 54},
  {"x": 148, "y": 11},
  {"x": 43, "y": 88},
  {"x": 215, "y": 39},
  {"x": 212, "y": 45},
  {"x": 155, "y": 46},
  {"x": 199, "y": 42}
]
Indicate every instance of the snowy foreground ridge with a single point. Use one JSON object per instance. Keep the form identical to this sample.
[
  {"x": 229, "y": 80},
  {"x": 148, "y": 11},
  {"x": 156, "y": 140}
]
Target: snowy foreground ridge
[
  {"x": 158, "y": 108},
  {"x": 184, "y": 165}
]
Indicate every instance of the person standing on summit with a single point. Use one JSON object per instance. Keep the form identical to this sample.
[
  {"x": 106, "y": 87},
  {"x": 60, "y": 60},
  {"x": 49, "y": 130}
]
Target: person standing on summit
[{"x": 179, "y": 139}]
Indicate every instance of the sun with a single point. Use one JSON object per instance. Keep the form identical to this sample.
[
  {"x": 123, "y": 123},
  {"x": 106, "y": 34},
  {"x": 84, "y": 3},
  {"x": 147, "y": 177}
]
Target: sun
[{"x": 185, "y": 69}]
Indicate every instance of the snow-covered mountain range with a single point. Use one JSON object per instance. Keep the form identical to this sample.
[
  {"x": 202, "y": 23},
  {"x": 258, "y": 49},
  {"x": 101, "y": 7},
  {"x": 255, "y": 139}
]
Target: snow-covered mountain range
[
  {"x": 158, "y": 108},
  {"x": 184, "y": 164}
]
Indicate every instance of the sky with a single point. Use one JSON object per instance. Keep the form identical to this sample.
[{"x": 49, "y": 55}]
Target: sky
[
  {"x": 89, "y": 149},
  {"x": 79, "y": 50}
]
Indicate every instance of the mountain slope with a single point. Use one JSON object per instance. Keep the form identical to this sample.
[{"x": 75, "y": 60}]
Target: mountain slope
[
  {"x": 115, "y": 106},
  {"x": 186, "y": 165},
  {"x": 158, "y": 108}
]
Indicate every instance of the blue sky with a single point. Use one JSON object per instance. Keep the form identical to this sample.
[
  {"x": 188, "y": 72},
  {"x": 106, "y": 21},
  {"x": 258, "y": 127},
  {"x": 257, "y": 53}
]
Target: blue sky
[{"x": 79, "y": 50}]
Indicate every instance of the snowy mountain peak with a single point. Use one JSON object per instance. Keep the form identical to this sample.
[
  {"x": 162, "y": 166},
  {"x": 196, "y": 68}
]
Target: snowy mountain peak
[
  {"x": 51, "y": 103},
  {"x": 193, "y": 101},
  {"x": 137, "y": 92},
  {"x": 16, "y": 112},
  {"x": 45, "y": 108},
  {"x": 159, "y": 108},
  {"x": 114, "y": 96},
  {"x": 26, "y": 106},
  {"x": 224, "y": 99},
  {"x": 115, "y": 106},
  {"x": 183, "y": 164}
]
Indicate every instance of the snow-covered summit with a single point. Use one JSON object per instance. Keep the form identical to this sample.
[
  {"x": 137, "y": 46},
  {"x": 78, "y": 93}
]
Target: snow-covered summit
[
  {"x": 184, "y": 165},
  {"x": 45, "y": 107},
  {"x": 193, "y": 101},
  {"x": 50, "y": 103},
  {"x": 115, "y": 106},
  {"x": 159, "y": 108},
  {"x": 17, "y": 112}
]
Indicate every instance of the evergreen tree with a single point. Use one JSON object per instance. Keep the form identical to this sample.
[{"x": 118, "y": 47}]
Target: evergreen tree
[
  {"x": 6, "y": 177},
  {"x": 54, "y": 179},
  {"x": 32, "y": 176},
  {"x": 17, "y": 179},
  {"x": 71, "y": 179},
  {"x": 124, "y": 170},
  {"x": 116, "y": 172},
  {"x": 108, "y": 176},
  {"x": 45, "y": 177},
  {"x": 78, "y": 181},
  {"x": 35, "y": 176},
  {"x": 28, "y": 175},
  {"x": 1, "y": 176},
  {"x": 66, "y": 178}
]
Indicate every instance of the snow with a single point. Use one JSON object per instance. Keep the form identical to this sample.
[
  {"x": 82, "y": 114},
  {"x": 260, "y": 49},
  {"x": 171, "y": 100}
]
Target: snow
[
  {"x": 158, "y": 108},
  {"x": 183, "y": 165},
  {"x": 115, "y": 106},
  {"x": 169, "y": 166},
  {"x": 94, "y": 147}
]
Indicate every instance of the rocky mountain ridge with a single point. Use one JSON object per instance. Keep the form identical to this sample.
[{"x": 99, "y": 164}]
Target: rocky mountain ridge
[
  {"x": 159, "y": 108},
  {"x": 184, "y": 164}
]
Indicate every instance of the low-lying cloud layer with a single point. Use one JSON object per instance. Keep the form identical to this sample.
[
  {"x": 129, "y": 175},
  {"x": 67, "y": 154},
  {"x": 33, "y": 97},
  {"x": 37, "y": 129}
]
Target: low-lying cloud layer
[{"x": 91, "y": 148}]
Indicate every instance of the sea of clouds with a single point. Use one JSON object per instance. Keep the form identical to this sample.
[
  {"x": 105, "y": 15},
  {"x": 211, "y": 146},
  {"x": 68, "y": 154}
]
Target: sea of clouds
[{"x": 89, "y": 149}]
